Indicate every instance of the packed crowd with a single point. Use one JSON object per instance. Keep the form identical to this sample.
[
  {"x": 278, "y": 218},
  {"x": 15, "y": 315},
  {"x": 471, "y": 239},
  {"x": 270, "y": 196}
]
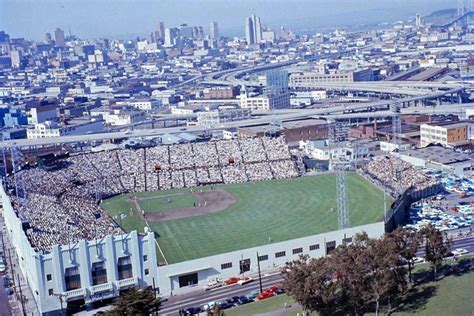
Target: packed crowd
[
  {"x": 62, "y": 205},
  {"x": 397, "y": 175}
]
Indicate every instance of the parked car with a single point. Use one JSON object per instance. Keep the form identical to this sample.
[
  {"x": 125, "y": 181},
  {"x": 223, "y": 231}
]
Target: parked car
[
  {"x": 460, "y": 251},
  {"x": 232, "y": 280},
  {"x": 252, "y": 295},
  {"x": 245, "y": 280},
  {"x": 225, "y": 305},
  {"x": 277, "y": 289},
  {"x": 3, "y": 268},
  {"x": 266, "y": 294},
  {"x": 6, "y": 280},
  {"x": 242, "y": 301},
  {"x": 191, "y": 311},
  {"x": 212, "y": 285},
  {"x": 418, "y": 260}
]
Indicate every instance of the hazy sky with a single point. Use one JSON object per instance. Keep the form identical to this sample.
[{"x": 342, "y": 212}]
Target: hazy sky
[{"x": 96, "y": 18}]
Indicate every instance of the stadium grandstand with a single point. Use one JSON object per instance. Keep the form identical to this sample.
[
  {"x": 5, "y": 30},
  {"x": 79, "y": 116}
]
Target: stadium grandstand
[{"x": 62, "y": 205}]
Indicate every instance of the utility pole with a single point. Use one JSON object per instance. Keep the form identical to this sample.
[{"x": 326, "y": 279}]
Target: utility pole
[{"x": 259, "y": 274}]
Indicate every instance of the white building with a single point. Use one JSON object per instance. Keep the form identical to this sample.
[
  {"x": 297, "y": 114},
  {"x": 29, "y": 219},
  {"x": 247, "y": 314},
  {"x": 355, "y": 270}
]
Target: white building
[
  {"x": 83, "y": 272},
  {"x": 53, "y": 129},
  {"x": 216, "y": 117},
  {"x": 321, "y": 150},
  {"x": 146, "y": 104}
]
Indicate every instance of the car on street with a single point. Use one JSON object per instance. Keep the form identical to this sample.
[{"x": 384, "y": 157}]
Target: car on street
[
  {"x": 460, "y": 251},
  {"x": 244, "y": 280},
  {"x": 232, "y": 280},
  {"x": 418, "y": 260},
  {"x": 212, "y": 285},
  {"x": 3, "y": 268}
]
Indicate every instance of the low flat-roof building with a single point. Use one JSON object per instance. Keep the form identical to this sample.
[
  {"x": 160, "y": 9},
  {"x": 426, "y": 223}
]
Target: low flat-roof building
[{"x": 440, "y": 158}]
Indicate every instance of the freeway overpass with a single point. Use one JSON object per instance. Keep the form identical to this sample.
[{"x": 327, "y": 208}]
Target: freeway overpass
[{"x": 285, "y": 115}]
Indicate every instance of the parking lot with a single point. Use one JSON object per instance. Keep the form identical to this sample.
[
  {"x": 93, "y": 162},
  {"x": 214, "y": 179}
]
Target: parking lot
[{"x": 451, "y": 211}]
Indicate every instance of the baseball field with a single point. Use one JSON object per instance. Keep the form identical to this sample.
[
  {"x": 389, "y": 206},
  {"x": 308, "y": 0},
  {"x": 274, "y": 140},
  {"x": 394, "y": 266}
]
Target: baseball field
[{"x": 209, "y": 220}]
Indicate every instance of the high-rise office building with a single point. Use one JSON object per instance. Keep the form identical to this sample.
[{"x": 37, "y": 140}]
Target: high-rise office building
[
  {"x": 249, "y": 31},
  {"x": 214, "y": 33},
  {"x": 47, "y": 38},
  {"x": 15, "y": 56},
  {"x": 418, "y": 20},
  {"x": 170, "y": 37},
  {"x": 5, "y": 46},
  {"x": 253, "y": 30},
  {"x": 160, "y": 31},
  {"x": 59, "y": 38}
]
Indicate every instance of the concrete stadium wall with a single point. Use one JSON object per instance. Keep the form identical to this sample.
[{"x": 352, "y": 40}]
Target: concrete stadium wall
[
  {"x": 209, "y": 268},
  {"x": 399, "y": 208}
]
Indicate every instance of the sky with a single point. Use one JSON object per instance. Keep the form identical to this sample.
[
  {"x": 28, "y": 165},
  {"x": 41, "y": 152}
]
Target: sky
[{"x": 128, "y": 18}]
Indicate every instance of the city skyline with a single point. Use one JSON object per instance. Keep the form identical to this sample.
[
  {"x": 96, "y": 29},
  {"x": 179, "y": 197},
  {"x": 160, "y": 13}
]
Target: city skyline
[{"x": 96, "y": 19}]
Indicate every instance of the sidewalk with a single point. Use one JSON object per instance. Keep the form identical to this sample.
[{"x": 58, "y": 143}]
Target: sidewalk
[{"x": 26, "y": 305}]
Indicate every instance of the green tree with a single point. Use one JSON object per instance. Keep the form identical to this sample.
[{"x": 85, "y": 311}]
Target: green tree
[
  {"x": 136, "y": 302},
  {"x": 353, "y": 280},
  {"x": 311, "y": 283},
  {"x": 437, "y": 246},
  {"x": 406, "y": 243}
]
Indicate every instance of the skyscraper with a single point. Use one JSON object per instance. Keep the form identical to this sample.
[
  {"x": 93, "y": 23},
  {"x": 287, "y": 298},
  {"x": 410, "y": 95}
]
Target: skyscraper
[
  {"x": 59, "y": 38},
  {"x": 249, "y": 31},
  {"x": 160, "y": 31},
  {"x": 418, "y": 20},
  {"x": 253, "y": 30},
  {"x": 170, "y": 37},
  {"x": 214, "y": 31}
]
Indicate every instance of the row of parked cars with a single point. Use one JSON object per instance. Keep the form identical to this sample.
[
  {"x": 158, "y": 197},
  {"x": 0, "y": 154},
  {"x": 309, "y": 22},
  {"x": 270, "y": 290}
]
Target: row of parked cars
[{"x": 234, "y": 301}]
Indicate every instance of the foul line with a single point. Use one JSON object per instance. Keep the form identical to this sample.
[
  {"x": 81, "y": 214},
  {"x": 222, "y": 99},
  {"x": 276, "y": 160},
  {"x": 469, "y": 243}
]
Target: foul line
[{"x": 139, "y": 209}]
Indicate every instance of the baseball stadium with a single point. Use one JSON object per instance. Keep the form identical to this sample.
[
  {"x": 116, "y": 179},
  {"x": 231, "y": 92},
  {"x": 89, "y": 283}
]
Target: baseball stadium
[{"x": 220, "y": 216}]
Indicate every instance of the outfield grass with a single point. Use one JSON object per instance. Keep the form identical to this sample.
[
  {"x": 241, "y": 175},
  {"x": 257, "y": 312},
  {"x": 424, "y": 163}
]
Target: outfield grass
[{"x": 279, "y": 209}]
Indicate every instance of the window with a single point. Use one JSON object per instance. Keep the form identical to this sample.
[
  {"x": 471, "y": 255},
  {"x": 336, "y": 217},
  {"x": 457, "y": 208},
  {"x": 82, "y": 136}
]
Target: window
[
  {"x": 347, "y": 240},
  {"x": 72, "y": 278},
  {"x": 48, "y": 277},
  {"x": 145, "y": 258},
  {"x": 280, "y": 254},
  {"x": 313, "y": 247},
  {"x": 124, "y": 268},
  {"x": 99, "y": 273},
  {"x": 244, "y": 265},
  {"x": 147, "y": 272},
  {"x": 297, "y": 250},
  {"x": 226, "y": 265},
  {"x": 263, "y": 258},
  {"x": 50, "y": 292},
  {"x": 330, "y": 246}
]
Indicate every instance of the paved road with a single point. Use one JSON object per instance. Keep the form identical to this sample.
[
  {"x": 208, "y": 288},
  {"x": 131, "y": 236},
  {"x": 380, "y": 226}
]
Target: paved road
[{"x": 200, "y": 297}]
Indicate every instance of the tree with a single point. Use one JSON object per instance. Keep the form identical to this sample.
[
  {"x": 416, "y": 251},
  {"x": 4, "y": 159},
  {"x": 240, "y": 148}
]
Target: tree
[
  {"x": 312, "y": 284},
  {"x": 136, "y": 301},
  {"x": 405, "y": 243},
  {"x": 437, "y": 246},
  {"x": 354, "y": 279}
]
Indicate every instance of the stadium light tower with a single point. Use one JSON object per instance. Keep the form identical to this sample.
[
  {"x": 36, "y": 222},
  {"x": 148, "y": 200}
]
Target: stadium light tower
[
  {"x": 336, "y": 135},
  {"x": 18, "y": 161},
  {"x": 396, "y": 126}
]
